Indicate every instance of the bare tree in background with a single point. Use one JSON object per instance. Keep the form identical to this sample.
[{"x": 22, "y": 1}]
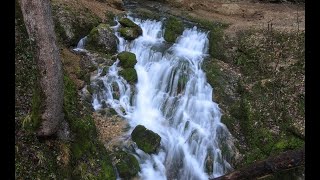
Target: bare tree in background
[{"x": 39, "y": 24}]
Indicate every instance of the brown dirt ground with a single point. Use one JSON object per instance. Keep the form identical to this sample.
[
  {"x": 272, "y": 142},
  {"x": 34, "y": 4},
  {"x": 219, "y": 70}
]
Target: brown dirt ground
[{"x": 246, "y": 14}]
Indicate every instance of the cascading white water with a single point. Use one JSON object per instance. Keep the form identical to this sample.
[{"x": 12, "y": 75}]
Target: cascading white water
[
  {"x": 80, "y": 45},
  {"x": 174, "y": 100}
]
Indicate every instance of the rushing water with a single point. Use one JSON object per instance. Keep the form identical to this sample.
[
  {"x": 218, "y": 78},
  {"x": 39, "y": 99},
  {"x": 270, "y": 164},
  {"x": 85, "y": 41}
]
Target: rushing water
[
  {"x": 80, "y": 45},
  {"x": 172, "y": 99}
]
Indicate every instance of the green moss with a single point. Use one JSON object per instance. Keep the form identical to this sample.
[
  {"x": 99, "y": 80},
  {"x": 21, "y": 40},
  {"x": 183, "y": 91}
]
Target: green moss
[
  {"x": 127, "y": 23},
  {"x": 173, "y": 29},
  {"x": 127, "y": 166},
  {"x": 145, "y": 139},
  {"x": 287, "y": 143},
  {"x": 129, "y": 30},
  {"x": 216, "y": 49},
  {"x": 253, "y": 155},
  {"x": 127, "y": 59},
  {"x": 229, "y": 122},
  {"x": 129, "y": 33},
  {"x": 85, "y": 148},
  {"x": 36, "y": 107},
  {"x": 92, "y": 42},
  {"x": 129, "y": 74},
  {"x": 83, "y": 29}
]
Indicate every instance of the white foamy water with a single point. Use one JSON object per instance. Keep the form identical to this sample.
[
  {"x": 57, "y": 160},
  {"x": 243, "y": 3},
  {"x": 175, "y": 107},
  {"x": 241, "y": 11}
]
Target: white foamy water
[
  {"x": 174, "y": 100},
  {"x": 80, "y": 45}
]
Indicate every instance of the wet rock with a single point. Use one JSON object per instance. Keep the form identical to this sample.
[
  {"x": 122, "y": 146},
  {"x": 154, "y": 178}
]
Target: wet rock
[
  {"x": 127, "y": 59},
  {"x": 102, "y": 39},
  {"x": 126, "y": 164},
  {"x": 129, "y": 74},
  {"x": 129, "y": 33},
  {"x": 129, "y": 30},
  {"x": 145, "y": 139},
  {"x": 209, "y": 163}
]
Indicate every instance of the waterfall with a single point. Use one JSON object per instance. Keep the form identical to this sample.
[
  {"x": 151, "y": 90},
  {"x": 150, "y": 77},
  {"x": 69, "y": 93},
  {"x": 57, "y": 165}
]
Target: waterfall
[
  {"x": 80, "y": 45},
  {"x": 174, "y": 100}
]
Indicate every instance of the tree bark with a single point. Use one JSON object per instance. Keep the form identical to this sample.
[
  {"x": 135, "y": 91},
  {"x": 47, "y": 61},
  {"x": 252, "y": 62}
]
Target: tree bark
[
  {"x": 39, "y": 24},
  {"x": 284, "y": 161}
]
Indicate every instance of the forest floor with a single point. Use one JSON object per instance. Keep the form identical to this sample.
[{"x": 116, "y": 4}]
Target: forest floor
[{"x": 244, "y": 14}]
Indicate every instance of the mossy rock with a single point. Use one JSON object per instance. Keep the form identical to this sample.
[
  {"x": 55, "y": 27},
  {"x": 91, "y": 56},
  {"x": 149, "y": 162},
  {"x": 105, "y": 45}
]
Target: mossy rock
[
  {"x": 129, "y": 33},
  {"x": 102, "y": 39},
  {"x": 129, "y": 74},
  {"x": 129, "y": 30},
  {"x": 145, "y": 139},
  {"x": 72, "y": 24},
  {"x": 173, "y": 29},
  {"x": 127, "y": 165},
  {"x": 127, "y": 59},
  {"x": 125, "y": 22}
]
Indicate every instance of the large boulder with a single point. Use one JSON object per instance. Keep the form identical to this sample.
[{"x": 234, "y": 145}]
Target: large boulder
[
  {"x": 126, "y": 164},
  {"x": 145, "y": 139},
  {"x": 102, "y": 39},
  {"x": 129, "y": 30},
  {"x": 127, "y": 59},
  {"x": 72, "y": 22},
  {"x": 173, "y": 29}
]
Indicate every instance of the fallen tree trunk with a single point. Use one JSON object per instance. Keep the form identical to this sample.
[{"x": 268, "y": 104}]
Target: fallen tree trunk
[{"x": 286, "y": 160}]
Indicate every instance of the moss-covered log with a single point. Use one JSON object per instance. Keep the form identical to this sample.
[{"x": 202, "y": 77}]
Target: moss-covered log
[{"x": 284, "y": 161}]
